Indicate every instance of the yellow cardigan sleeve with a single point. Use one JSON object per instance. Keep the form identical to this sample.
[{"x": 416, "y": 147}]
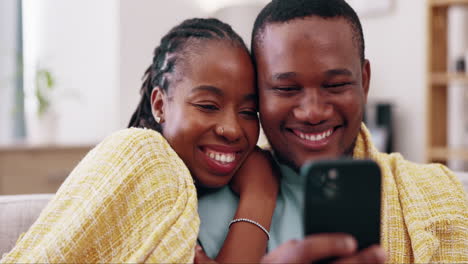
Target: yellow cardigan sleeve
[{"x": 131, "y": 199}]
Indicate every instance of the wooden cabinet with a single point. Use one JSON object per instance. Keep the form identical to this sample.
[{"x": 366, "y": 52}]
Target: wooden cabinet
[
  {"x": 439, "y": 77},
  {"x": 26, "y": 170}
]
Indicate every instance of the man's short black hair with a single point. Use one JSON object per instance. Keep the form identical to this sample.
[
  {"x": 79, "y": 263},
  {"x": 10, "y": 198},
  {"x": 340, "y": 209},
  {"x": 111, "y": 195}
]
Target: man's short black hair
[{"x": 281, "y": 11}]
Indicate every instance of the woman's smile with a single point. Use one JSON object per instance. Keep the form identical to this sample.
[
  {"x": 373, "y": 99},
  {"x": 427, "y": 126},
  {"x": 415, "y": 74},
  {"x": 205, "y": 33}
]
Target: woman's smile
[{"x": 221, "y": 159}]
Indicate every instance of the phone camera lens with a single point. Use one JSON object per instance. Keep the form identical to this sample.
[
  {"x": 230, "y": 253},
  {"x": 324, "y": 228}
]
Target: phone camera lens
[
  {"x": 333, "y": 174},
  {"x": 330, "y": 187}
]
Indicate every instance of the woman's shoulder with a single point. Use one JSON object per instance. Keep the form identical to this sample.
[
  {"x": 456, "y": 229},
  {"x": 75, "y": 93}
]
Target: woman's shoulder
[
  {"x": 133, "y": 135},
  {"x": 135, "y": 145},
  {"x": 136, "y": 139},
  {"x": 129, "y": 155}
]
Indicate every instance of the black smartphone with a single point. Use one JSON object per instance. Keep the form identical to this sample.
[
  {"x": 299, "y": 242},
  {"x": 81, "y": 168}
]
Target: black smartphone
[{"x": 343, "y": 196}]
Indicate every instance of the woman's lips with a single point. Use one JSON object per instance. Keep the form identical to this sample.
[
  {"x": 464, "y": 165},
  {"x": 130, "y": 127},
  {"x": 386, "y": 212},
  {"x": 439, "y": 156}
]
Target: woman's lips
[{"x": 221, "y": 159}]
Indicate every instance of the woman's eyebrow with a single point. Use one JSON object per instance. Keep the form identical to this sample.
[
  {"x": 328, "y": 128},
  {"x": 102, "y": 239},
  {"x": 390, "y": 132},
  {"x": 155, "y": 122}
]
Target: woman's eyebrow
[{"x": 207, "y": 88}]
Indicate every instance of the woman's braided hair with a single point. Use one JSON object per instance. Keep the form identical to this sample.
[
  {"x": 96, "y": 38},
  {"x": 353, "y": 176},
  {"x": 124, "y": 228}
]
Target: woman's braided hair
[{"x": 171, "y": 52}]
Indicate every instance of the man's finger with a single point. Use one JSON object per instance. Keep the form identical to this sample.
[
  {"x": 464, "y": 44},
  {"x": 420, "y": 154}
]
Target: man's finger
[
  {"x": 201, "y": 257},
  {"x": 373, "y": 254},
  {"x": 312, "y": 248},
  {"x": 321, "y": 246}
]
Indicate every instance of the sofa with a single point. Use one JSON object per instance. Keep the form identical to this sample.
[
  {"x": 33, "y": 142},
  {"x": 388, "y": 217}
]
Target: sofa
[{"x": 18, "y": 213}]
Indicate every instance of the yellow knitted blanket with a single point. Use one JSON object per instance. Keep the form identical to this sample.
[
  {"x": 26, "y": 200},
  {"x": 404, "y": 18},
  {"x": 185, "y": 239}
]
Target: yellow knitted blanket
[
  {"x": 130, "y": 200},
  {"x": 424, "y": 209}
]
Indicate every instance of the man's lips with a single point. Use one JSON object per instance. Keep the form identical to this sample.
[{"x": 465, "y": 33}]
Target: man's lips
[
  {"x": 317, "y": 136},
  {"x": 315, "y": 140}
]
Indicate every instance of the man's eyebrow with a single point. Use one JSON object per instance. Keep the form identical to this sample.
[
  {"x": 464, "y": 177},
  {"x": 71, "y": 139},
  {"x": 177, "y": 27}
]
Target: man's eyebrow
[
  {"x": 207, "y": 88},
  {"x": 335, "y": 72},
  {"x": 284, "y": 75}
]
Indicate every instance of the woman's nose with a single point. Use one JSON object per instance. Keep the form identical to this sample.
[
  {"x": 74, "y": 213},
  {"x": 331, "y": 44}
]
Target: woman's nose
[{"x": 229, "y": 129}]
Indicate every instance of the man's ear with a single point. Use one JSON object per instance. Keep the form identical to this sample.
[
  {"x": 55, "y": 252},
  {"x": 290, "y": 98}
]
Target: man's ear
[
  {"x": 158, "y": 99},
  {"x": 366, "y": 74}
]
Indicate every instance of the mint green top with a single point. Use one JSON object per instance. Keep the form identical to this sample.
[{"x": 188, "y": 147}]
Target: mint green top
[{"x": 217, "y": 210}]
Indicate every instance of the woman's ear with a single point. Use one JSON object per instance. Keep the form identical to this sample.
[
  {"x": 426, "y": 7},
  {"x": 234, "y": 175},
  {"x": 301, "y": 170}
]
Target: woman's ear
[{"x": 157, "y": 104}]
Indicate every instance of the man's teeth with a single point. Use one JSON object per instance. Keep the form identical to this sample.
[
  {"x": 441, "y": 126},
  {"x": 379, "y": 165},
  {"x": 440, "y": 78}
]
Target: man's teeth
[
  {"x": 222, "y": 157},
  {"x": 316, "y": 137}
]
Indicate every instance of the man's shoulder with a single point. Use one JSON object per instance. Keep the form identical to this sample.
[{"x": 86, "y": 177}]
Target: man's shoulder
[
  {"x": 432, "y": 188},
  {"x": 434, "y": 174}
]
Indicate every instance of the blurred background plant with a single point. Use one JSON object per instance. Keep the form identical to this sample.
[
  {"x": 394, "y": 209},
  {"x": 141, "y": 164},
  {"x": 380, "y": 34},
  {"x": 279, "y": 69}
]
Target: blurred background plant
[{"x": 45, "y": 86}]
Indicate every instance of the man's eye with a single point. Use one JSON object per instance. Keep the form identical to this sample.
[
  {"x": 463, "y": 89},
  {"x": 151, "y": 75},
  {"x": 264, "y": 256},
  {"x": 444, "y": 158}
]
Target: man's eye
[
  {"x": 286, "y": 88},
  {"x": 337, "y": 85},
  {"x": 208, "y": 107}
]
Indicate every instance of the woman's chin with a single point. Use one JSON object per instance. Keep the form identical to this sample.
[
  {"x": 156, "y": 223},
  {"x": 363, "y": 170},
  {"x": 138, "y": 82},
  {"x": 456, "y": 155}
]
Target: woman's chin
[{"x": 213, "y": 181}]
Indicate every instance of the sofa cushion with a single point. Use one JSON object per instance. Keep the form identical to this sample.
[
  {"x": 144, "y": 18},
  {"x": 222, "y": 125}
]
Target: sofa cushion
[{"x": 17, "y": 214}]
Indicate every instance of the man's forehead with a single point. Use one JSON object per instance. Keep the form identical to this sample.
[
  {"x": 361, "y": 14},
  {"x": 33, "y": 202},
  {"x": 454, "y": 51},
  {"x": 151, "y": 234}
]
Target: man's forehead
[
  {"x": 306, "y": 28},
  {"x": 298, "y": 36}
]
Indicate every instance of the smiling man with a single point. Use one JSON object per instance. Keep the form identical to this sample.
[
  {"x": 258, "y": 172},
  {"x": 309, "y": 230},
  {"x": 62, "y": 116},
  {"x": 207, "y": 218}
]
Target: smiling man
[
  {"x": 313, "y": 86},
  {"x": 313, "y": 81}
]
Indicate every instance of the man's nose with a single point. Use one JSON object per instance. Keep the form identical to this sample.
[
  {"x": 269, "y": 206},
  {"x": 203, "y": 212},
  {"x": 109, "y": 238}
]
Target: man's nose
[{"x": 313, "y": 109}]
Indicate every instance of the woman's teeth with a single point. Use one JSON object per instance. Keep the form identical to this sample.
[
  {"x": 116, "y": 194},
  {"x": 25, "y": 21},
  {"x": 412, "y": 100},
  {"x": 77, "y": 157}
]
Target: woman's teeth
[
  {"x": 315, "y": 137},
  {"x": 222, "y": 157}
]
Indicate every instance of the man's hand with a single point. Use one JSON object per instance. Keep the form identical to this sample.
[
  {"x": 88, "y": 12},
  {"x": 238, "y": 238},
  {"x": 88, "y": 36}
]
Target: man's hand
[
  {"x": 318, "y": 247},
  {"x": 314, "y": 248}
]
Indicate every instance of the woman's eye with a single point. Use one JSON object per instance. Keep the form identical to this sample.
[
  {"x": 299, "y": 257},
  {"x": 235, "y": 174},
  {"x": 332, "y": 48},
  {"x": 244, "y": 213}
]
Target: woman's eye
[{"x": 250, "y": 113}]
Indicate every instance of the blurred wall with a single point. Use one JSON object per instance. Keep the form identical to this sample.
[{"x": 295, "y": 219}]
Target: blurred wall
[
  {"x": 396, "y": 48},
  {"x": 77, "y": 41},
  {"x": 8, "y": 65},
  {"x": 142, "y": 24},
  {"x": 98, "y": 52}
]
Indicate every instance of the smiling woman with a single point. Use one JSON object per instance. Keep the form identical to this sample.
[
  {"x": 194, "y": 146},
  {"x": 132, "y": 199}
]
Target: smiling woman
[
  {"x": 210, "y": 113},
  {"x": 211, "y": 117},
  {"x": 133, "y": 198}
]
